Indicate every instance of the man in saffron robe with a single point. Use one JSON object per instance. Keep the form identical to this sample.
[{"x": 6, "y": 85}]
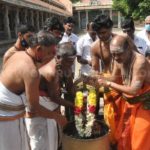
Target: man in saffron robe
[{"x": 133, "y": 127}]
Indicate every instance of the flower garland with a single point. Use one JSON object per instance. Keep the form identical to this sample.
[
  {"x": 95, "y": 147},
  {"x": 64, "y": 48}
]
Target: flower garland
[{"x": 85, "y": 106}]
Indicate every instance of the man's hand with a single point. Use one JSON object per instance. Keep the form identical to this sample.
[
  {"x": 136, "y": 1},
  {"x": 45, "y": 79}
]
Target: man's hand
[
  {"x": 61, "y": 120},
  {"x": 104, "y": 82}
]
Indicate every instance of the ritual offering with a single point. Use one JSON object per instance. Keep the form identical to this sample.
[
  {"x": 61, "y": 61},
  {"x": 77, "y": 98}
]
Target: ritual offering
[{"x": 85, "y": 132}]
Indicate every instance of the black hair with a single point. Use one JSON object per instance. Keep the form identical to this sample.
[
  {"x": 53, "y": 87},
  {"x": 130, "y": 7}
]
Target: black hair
[
  {"x": 43, "y": 38},
  {"x": 128, "y": 23},
  {"x": 69, "y": 20},
  {"x": 66, "y": 49},
  {"x": 25, "y": 28},
  {"x": 89, "y": 24},
  {"x": 147, "y": 53},
  {"x": 53, "y": 23},
  {"x": 102, "y": 21}
]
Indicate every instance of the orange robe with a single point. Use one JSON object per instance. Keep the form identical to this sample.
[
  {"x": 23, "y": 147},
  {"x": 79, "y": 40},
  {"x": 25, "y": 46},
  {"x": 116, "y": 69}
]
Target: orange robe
[
  {"x": 133, "y": 127},
  {"x": 111, "y": 113}
]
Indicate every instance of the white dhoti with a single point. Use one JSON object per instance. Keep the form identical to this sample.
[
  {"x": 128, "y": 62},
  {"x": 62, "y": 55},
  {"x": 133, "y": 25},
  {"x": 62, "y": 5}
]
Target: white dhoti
[
  {"x": 43, "y": 133},
  {"x": 12, "y": 129}
]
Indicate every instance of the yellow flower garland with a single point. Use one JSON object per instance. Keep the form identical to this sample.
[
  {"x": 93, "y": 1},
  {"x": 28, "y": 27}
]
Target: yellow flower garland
[{"x": 85, "y": 130}]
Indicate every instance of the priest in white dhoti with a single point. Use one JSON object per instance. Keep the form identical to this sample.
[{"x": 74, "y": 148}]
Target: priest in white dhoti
[{"x": 43, "y": 133}]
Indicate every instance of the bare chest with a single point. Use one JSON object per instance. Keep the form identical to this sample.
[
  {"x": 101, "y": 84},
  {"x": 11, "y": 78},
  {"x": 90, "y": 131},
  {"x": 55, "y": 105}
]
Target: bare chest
[{"x": 104, "y": 52}]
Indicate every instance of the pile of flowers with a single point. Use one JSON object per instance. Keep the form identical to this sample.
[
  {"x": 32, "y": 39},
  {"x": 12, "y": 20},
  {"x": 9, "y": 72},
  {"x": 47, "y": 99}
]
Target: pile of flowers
[{"x": 85, "y": 106}]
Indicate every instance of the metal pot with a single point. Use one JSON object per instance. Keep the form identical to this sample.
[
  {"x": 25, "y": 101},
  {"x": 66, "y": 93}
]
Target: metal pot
[{"x": 100, "y": 143}]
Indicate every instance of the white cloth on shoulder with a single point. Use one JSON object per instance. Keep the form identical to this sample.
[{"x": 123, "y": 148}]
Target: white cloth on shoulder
[
  {"x": 12, "y": 133},
  {"x": 43, "y": 132}
]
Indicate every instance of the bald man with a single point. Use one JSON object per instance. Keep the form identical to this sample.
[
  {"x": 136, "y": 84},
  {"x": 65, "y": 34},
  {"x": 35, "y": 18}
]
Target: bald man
[
  {"x": 133, "y": 127},
  {"x": 145, "y": 33}
]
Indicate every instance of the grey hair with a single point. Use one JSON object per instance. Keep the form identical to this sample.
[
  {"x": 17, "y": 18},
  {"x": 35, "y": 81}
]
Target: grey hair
[
  {"x": 43, "y": 38},
  {"x": 66, "y": 49}
]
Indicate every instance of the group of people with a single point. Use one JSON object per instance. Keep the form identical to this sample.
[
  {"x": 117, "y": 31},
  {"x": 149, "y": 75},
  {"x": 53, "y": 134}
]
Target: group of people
[
  {"x": 122, "y": 66},
  {"x": 38, "y": 73},
  {"x": 32, "y": 82}
]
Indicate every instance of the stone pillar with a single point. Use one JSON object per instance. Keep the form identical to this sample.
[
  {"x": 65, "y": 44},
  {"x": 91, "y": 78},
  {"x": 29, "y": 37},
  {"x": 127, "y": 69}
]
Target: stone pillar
[
  {"x": 6, "y": 23},
  {"x": 42, "y": 19},
  {"x": 79, "y": 20},
  {"x": 32, "y": 17},
  {"x": 17, "y": 21},
  {"x": 37, "y": 21},
  {"x": 87, "y": 17},
  {"x": 47, "y": 15},
  {"x": 25, "y": 15},
  {"x": 119, "y": 19},
  {"x": 102, "y": 11},
  {"x": 110, "y": 13}
]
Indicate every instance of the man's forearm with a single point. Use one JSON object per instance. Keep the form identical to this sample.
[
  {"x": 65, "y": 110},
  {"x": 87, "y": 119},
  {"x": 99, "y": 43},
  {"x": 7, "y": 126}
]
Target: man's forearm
[{"x": 125, "y": 89}]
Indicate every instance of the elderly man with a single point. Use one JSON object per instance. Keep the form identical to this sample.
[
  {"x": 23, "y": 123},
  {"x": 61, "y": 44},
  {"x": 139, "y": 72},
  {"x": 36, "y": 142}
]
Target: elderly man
[
  {"x": 44, "y": 133},
  {"x": 145, "y": 33},
  {"x": 69, "y": 36},
  {"x": 134, "y": 121},
  {"x": 24, "y": 77}
]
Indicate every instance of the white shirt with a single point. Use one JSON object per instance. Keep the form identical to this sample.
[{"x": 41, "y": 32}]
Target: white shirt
[
  {"x": 72, "y": 38},
  {"x": 142, "y": 34},
  {"x": 84, "y": 50},
  {"x": 140, "y": 44}
]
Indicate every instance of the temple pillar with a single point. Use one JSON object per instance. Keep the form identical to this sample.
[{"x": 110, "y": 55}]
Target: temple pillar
[
  {"x": 25, "y": 15},
  {"x": 32, "y": 17},
  {"x": 42, "y": 19},
  {"x": 87, "y": 17},
  {"x": 37, "y": 20},
  {"x": 110, "y": 13},
  {"x": 6, "y": 23},
  {"x": 17, "y": 21},
  {"x": 79, "y": 20},
  {"x": 119, "y": 19}
]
